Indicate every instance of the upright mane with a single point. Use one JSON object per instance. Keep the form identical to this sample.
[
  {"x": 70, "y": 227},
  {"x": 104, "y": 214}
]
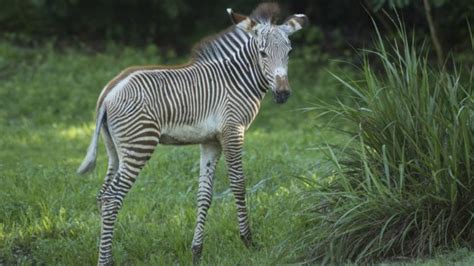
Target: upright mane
[
  {"x": 266, "y": 13},
  {"x": 210, "y": 48}
]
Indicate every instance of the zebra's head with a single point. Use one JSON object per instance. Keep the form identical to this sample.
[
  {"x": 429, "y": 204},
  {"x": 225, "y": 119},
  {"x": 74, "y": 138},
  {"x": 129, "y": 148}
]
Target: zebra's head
[{"x": 273, "y": 44}]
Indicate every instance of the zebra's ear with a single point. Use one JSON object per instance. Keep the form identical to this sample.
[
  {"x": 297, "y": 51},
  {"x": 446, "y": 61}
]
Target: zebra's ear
[
  {"x": 294, "y": 23},
  {"x": 249, "y": 25},
  {"x": 236, "y": 18},
  {"x": 243, "y": 22}
]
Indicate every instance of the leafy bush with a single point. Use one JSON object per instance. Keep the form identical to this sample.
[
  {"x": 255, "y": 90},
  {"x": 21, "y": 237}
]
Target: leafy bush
[{"x": 405, "y": 186}]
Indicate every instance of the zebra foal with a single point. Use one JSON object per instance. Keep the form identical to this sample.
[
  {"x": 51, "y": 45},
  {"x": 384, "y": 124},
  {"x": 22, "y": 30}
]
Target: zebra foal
[{"x": 210, "y": 101}]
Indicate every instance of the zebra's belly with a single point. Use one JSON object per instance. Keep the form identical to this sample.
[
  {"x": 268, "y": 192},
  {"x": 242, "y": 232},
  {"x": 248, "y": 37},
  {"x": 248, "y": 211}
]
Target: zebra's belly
[{"x": 189, "y": 134}]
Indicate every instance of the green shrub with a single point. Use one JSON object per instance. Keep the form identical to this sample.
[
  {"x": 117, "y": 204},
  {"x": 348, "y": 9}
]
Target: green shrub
[{"x": 404, "y": 187}]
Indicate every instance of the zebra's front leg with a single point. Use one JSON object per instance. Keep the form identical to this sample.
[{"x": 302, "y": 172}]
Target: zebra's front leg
[
  {"x": 233, "y": 145},
  {"x": 210, "y": 153}
]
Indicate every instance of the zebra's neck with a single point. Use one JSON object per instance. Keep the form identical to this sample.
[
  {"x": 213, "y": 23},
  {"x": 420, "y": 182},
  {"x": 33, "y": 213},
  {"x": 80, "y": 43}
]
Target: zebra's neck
[
  {"x": 236, "y": 51},
  {"x": 221, "y": 46}
]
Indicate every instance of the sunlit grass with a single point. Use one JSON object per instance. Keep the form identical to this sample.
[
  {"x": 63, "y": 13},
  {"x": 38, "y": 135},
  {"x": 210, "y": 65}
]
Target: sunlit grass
[
  {"x": 49, "y": 214},
  {"x": 75, "y": 132}
]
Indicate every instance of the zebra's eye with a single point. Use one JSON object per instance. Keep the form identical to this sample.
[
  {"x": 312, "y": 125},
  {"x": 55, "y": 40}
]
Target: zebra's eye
[{"x": 263, "y": 54}]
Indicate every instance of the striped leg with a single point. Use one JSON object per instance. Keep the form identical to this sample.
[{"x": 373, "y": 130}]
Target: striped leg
[
  {"x": 133, "y": 158},
  {"x": 232, "y": 146},
  {"x": 210, "y": 153},
  {"x": 112, "y": 165},
  {"x": 112, "y": 201}
]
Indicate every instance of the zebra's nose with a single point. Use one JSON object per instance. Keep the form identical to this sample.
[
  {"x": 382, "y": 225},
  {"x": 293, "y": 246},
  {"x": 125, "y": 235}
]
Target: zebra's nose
[
  {"x": 282, "y": 96},
  {"x": 282, "y": 90}
]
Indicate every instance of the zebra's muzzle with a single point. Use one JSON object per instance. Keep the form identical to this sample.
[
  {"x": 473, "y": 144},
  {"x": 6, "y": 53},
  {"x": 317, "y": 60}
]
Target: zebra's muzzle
[
  {"x": 282, "y": 92},
  {"x": 281, "y": 96}
]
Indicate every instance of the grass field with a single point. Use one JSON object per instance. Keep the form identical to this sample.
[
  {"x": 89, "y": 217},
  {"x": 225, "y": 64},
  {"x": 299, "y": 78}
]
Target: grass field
[{"x": 48, "y": 214}]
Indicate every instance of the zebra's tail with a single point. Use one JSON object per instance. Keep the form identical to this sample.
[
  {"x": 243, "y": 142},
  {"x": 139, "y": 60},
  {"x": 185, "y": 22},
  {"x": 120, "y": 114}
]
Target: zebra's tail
[{"x": 89, "y": 161}]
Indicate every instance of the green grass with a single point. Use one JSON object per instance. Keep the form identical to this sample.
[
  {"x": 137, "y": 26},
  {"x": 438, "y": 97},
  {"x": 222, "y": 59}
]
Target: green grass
[{"x": 48, "y": 213}]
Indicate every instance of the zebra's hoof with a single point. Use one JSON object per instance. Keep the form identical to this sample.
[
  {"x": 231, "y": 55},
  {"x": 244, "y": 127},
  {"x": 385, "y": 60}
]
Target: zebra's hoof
[
  {"x": 247, "y": 239},
  {"x": 197, "y": 252}
]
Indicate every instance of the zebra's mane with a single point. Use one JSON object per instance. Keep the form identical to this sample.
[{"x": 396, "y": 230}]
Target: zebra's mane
[
  {"x": 266, "y": 13},
  {"x": 209, "y": 48}
]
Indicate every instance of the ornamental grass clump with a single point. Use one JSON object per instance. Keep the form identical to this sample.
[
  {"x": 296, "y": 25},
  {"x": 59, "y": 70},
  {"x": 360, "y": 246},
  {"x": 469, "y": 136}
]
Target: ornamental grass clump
[{"x": 404, "y": 187}]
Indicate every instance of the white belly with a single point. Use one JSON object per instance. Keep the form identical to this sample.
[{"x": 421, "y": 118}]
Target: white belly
[{"x": 204, "y": 131}]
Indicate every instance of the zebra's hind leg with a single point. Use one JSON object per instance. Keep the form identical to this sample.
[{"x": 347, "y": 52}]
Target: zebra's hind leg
[
  {"x": 133, "y": 158},
  {"x": 112, "y": 165},
  {"x": 210, "y": 153}
]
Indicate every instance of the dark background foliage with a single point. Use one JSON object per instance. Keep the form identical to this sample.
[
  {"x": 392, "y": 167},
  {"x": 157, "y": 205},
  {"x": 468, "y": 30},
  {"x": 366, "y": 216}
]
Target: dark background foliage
[{"x": 177, "y": 24}]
